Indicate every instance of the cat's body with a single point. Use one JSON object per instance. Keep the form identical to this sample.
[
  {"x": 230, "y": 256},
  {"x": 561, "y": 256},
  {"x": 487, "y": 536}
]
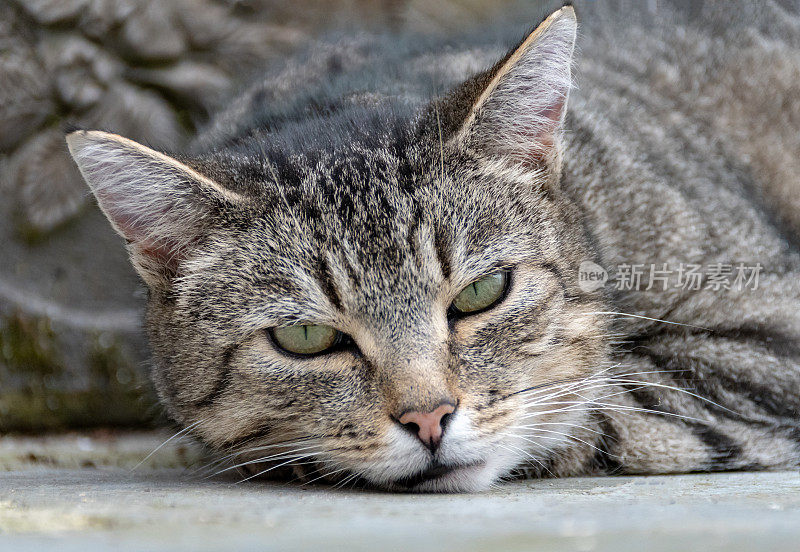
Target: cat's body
[{"x": 358, "y": 205}]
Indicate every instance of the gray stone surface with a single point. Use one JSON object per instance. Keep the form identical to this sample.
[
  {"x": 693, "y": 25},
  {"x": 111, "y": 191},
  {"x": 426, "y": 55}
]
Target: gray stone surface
[{"x": 48, "y": 503}]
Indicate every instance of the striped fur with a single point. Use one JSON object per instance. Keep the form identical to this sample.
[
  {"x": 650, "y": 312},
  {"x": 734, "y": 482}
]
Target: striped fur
[{"x": 365, "y": 185}]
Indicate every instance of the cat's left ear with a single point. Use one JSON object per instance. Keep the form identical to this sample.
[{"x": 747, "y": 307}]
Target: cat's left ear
[{"x": 515, "y": 110}]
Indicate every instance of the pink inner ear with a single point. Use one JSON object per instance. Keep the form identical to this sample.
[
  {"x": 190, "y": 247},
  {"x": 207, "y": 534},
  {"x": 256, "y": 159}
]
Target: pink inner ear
[
  {"x": 536, "y": 141},
  {"x": 156, "y": 203},
  {"x": 544, "y": 134},
  {"x": 141, "y": 228},
  {"x": 522, "y": 115},
  {"x": 167, "y": 254},
  {"x": 552, "y": 114}
]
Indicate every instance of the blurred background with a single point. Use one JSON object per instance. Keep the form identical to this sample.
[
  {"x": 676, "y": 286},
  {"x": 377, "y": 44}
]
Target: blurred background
[{"x": 72, "y": 353}]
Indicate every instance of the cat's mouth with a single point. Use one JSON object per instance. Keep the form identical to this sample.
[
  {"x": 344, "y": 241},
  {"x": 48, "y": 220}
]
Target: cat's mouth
[{"x": 433, "y": 473}]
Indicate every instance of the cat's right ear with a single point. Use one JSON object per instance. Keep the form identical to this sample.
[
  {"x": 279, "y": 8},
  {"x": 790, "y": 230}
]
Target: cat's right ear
[{"x": 158, "y": 204}]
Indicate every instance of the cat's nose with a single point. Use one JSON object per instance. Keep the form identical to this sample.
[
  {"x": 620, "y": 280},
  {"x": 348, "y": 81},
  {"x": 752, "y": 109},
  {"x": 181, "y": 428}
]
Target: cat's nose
[{"x": 428, "y": 426}]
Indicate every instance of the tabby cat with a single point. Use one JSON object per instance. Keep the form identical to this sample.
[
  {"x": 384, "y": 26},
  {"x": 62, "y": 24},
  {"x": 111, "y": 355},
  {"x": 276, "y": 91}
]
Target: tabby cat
[{"x": 357, "y": 276}]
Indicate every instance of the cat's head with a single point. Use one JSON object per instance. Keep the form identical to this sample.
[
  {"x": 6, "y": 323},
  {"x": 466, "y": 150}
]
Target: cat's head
[{"x": 399, "y": 308}]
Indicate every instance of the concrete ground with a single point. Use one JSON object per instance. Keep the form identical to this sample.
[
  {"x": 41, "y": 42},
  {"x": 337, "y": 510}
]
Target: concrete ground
[{"x": 78, "y": 492}]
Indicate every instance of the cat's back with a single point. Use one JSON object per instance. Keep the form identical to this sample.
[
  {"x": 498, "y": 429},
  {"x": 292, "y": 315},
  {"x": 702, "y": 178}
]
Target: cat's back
[
  {"x": 682, "y": 150},
  {"x": 699, "y": 97},
  {"x": 706, "y": 95}
]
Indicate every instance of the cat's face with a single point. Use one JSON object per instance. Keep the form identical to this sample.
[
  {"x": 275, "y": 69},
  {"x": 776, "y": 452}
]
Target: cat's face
[
  {"x": 384, "y": 266},
  {"x": 404, "y": 316}
]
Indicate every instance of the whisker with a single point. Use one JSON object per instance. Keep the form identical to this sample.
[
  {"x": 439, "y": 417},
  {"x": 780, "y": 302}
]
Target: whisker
[
  {"x": 615, "y": 381},
  {"x": 223, "y": 459},
  {"x": 629, "y": 315},
  {"x": 578, "y": 426},
  {"x": 512, "y": 448},
  {"x": 322, "y": 465},
  {"x": 181, "y": 432},
  {"x": 567, "y": 435},
  {"x": 558, "y": 390},
  {"x": 351, "y": 478},
  {"x": 278, "y": 456},
  {"x": 575, "y": 381},
  {"x": 300, "y": 457},
  {"x": 618, "y": 408},
  {"x": 673, "y": 388},
  {"x": 324, "y": 475},
  {"x": 547, "y": 449}
]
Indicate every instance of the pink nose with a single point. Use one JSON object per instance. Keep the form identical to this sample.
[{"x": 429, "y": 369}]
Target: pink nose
[{"x": 429, "y": 426}]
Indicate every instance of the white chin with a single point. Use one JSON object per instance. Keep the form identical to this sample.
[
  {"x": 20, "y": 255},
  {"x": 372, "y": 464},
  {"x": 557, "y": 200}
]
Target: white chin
[{"x": 468, "y": 479}]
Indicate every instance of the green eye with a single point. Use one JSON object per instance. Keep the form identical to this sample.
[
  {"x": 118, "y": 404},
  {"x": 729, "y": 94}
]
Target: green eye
[
  {"x": 306, "y": 339},
  {"x": 481, "y": 294}
]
